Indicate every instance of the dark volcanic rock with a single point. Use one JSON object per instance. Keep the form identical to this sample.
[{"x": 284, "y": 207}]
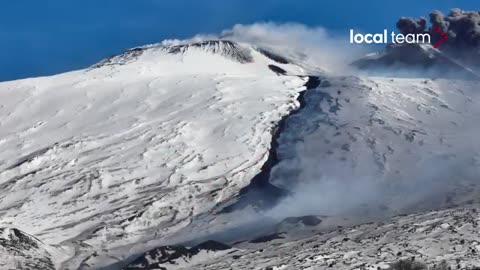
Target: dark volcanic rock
[
  {"x": 276, "y": 69},
  {"x": 291, "y": 223},
  {"x": 122, "y": 59},
  {"x": 161, "y": 257},
  {"x": 275, "y": 57},
  {"x": 225, "y": 48},
  {"x": 306, "y": 220},
  {"x": 260, "y": 192},
  {"x": 21, "y": 251},
  {"x": 267, "y": 238}
]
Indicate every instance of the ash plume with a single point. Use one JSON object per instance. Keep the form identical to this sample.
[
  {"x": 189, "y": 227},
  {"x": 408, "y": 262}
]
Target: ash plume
[
  {"x": 462, "y": 28},
  {"x": 315, "y": 46},
  {"x": 408, "y": 25}
]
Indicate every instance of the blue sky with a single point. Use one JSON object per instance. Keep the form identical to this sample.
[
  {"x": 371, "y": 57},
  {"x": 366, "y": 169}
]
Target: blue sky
[{"x": 52, "y": 36}]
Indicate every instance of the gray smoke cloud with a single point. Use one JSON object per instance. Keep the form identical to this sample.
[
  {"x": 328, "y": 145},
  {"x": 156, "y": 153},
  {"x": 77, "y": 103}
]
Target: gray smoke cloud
[
  {"x": 313, "y": 46},
  {"x": 334, "y": 164},
  {"x": 408, "y": 25},
  {"x": 462, "y": 28}
]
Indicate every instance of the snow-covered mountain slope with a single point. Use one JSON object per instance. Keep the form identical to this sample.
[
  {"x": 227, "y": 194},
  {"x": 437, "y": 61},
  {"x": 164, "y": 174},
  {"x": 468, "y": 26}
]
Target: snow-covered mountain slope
[
  {"x": 368, "y": 148},
  {"x": 112, "y": 166},
  {"x": 363, "y": 149},
  {"x": 105, "y": 162}
]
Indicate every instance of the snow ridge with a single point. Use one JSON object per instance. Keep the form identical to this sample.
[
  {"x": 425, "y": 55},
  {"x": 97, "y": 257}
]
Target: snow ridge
[{"x": 225, "y": 48}]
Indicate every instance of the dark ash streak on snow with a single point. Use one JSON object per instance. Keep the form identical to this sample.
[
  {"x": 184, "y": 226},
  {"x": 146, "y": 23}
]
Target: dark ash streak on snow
[{"x": 260, "y": 192}]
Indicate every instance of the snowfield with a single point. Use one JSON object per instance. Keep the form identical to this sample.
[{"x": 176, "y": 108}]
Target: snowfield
[
  {"x": 97, "y": 161},
  {"x": 130, "y": 164}
]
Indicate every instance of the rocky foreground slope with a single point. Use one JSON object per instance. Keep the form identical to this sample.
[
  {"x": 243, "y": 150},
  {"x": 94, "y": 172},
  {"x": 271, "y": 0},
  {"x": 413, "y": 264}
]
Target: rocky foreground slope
[{"x": 449, "y": 235}]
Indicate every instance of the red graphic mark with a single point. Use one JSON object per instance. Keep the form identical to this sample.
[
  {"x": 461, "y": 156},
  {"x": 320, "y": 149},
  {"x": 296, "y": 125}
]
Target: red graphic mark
[{"x": 444, "y": 36}]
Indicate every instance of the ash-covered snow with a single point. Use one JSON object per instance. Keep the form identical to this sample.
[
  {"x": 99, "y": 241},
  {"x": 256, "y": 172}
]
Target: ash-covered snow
[{"x": 372, "y": 146}]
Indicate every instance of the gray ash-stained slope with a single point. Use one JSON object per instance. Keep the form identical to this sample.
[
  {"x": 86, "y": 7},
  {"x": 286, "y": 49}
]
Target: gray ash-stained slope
[
  {"x": 357, "y": 136},
  {"x": 20, "y": 251},
  {"x": 260, "y": 192}
]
